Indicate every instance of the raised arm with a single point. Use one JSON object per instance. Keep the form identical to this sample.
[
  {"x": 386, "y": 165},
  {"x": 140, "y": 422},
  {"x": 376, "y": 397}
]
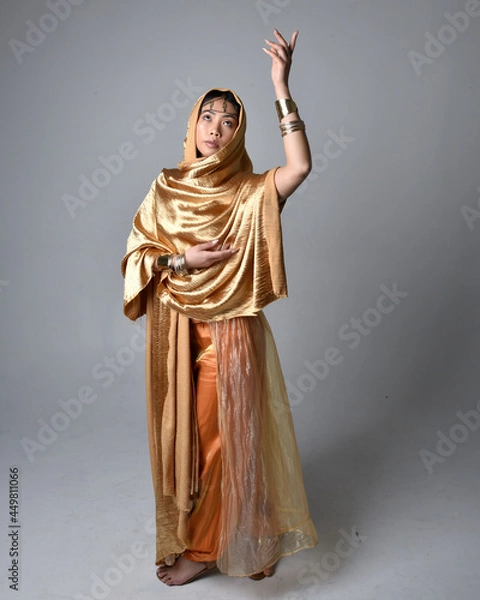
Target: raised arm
[{"x": 297, "y": 150}]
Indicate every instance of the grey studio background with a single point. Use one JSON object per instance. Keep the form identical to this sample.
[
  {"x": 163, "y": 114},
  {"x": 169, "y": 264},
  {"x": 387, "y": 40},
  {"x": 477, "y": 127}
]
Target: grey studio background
[{"x": 379, "y": 339}]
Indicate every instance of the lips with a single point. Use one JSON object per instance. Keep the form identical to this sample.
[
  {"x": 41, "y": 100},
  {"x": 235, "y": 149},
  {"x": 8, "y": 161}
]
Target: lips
[{"x": 211, "y": 144}]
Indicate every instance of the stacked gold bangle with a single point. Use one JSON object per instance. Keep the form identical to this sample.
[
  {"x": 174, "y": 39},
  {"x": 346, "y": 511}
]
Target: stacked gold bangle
[
  {"x": 174, "y": 262},
  {"x": 291, "y": 126},
  {"x": 286, "y": 106}
]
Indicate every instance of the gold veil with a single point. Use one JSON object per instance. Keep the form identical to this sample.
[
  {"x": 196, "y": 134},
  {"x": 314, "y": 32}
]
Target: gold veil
[{"x": 202, "y": 200}]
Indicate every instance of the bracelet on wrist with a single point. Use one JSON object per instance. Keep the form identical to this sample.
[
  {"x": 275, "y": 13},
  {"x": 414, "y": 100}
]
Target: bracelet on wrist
[
  {"x": 179, "y": 265},
  {"x": 174, "y": 262},
  {"x": 284, "y": 107},
  {"x": 291, "y": 126},
  {"x": 162, "y": 261}
]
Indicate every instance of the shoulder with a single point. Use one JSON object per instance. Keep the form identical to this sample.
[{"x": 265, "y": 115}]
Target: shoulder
[
  {"x": 260, "y": 181},
  {"x": 259, "y": 178},
  {"x": 166, "y": 174}
]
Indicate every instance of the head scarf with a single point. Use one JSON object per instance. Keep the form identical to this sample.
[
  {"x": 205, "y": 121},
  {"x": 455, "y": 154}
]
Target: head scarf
[{"x": 207, "y": 198}]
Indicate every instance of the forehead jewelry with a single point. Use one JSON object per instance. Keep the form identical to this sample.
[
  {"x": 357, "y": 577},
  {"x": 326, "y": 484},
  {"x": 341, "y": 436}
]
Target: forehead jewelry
[
  {"x": 211, "y": 109},
  {"x": 224, "y": 104}
]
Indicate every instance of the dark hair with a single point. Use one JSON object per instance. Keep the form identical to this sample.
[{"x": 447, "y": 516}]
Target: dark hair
[{"x": 228, "y": 96}]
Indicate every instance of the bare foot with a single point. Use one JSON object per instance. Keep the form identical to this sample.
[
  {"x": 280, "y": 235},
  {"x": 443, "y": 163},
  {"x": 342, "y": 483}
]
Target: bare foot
[
  {"x": 180, "y": 572},
  {"x": 268, "y": 572}
]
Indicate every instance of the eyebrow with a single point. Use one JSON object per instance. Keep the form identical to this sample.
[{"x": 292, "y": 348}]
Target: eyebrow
[{"x": 210, "y": 110}]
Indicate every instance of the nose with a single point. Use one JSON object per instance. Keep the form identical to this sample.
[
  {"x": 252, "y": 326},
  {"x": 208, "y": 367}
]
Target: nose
[{"x": 214, "y": 129}]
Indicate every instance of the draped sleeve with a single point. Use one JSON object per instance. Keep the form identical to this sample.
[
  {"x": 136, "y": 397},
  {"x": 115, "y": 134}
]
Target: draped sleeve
[
  {"x": 179, "y": 213},
  {"x": 143, "y": 247}
]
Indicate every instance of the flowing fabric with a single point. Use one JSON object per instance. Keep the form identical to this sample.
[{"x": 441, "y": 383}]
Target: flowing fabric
[
  {"x": 264, "y": 512},
  {"x": 205, "y": 520},
  {"x": 264, "y": 508},
  {"x": 217, "y": 197}
]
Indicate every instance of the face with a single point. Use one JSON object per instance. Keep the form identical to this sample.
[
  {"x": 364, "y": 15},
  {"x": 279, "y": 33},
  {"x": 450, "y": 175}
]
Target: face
[{"x": 216, "y": 126}]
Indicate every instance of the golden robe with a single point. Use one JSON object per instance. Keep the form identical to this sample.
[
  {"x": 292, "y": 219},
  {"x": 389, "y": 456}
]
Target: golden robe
[{"x": 264, "y": 508}]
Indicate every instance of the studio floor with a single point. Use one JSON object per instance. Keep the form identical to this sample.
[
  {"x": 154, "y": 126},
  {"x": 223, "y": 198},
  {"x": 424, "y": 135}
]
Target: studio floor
[{"x": 389, "y": 529}]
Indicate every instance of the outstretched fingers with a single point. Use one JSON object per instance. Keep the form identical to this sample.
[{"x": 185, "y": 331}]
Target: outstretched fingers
[
  {"x": 207, "y": 254},
  {"x": 293, "y": 40},
  {"x": 277, "y": 51},
  {"x": 281, "y": 48},
  {"x": 208, "y": 245},
  {"x": 218, "y": 256}
]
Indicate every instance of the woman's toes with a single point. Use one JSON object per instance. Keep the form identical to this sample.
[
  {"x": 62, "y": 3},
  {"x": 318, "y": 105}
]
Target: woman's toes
[{"x": 162, "y": 572}]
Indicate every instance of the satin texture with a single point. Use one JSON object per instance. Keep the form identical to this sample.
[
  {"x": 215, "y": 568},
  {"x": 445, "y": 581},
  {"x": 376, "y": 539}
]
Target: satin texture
[
  {"x": 264, "y": 512},
  {"x": 204, "y": 523},
  {"x": 218, "y": 197}
]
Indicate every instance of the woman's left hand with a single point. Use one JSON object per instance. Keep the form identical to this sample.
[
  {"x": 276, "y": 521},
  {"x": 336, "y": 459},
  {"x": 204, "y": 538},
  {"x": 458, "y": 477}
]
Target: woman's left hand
[{"x": 281, "y": 54}]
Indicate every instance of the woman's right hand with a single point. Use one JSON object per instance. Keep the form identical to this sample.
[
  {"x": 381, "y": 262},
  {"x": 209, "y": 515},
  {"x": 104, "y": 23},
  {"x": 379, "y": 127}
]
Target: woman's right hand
[{"x": 207, "y": 254}]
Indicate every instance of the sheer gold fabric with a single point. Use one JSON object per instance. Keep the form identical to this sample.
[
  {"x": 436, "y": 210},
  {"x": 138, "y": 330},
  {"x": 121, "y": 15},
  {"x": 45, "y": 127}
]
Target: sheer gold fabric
[{"x": 264, "y": 508}]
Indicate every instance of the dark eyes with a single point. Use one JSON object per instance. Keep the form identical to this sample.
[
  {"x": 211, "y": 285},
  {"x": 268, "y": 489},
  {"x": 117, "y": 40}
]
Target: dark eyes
[{"x": 227, "y": 122}]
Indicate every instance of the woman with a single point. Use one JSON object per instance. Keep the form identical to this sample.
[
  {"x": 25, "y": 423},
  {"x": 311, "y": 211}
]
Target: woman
[{"x": 226, "y": 472}]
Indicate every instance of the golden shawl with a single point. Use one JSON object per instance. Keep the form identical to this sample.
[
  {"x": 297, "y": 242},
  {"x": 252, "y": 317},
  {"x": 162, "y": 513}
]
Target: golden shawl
[
  {"x": 205, "y": 199},
  {"x": 218, "y": 197}
]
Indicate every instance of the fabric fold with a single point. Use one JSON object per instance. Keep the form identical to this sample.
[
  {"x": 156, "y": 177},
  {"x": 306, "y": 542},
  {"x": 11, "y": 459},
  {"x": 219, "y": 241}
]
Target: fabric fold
[
  {"x": 218, "y": 197},
  {"x": 264, "y": 506}
]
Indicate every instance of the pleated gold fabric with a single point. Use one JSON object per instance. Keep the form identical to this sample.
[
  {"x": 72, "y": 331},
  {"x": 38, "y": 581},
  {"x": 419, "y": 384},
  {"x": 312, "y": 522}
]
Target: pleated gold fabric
[
  {"x": 205, "y": 199},
  {"x": 264, "y": 508}
]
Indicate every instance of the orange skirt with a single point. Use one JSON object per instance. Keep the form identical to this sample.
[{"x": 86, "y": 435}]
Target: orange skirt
[{"x": 251, "y": 508}]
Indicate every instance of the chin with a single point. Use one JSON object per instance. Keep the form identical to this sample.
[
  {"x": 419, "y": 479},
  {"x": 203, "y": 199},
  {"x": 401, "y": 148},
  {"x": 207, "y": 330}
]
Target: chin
[{"x": 208, "y": 152}]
